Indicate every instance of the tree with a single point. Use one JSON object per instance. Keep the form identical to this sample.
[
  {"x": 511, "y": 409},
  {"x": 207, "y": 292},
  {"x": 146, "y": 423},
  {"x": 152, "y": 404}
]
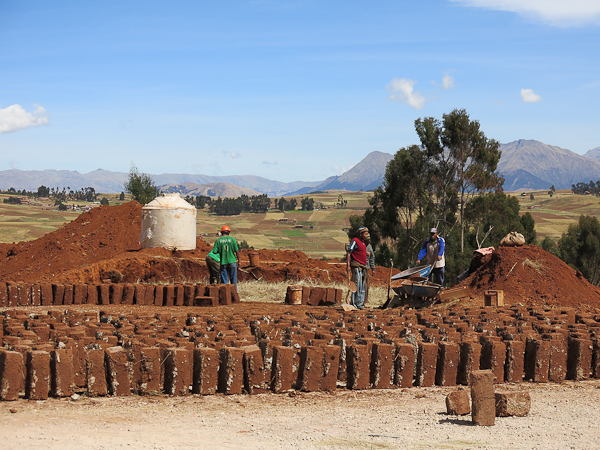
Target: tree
[
  {"x": 531, "y": 197},
  {"x": 140, "y": 186},
  {"x": 43, "y": 191},
  {"x": 551, "y": 191},
  {"x": 104, "y": 201},
  {"x": 293, "y": 203},
  {"x": 464, "y": 159},
  {"x": 307, "y": 204},
  {"x": 122, "y": 196},
  {"x": 282, "y": 204},
  {"x": 580, "y": 247}
]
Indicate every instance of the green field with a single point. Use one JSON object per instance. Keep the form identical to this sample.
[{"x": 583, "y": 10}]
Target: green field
[{"x": 322, "y": 233}]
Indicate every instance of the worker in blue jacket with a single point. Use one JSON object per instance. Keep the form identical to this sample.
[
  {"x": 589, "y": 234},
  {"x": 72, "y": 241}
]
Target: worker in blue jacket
[{"x": 433, "y": 252}]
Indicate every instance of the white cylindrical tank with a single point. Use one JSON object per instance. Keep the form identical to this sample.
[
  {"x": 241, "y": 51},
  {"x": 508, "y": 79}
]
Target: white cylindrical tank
[{"x": 169, "y": 221}]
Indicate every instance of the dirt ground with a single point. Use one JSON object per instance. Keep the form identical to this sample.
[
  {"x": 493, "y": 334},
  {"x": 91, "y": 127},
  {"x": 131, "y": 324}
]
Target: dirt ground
[{"x": 562, "y": 416}]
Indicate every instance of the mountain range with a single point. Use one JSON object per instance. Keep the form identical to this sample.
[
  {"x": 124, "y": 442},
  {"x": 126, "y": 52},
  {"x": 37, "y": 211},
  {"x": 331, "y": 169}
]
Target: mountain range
[{"x": 525, "y": 164}]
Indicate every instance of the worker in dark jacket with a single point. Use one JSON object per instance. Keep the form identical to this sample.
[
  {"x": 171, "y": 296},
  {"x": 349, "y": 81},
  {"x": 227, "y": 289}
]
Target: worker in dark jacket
[{"x": 433, "y": 252}]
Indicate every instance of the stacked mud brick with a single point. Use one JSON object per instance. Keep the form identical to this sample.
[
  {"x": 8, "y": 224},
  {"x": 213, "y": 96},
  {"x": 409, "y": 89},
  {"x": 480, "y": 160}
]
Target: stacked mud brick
[
  {"x": 46, "y": 294},
  {"x": 318, "y": 296},
  {"x": 255, "y": 348}
]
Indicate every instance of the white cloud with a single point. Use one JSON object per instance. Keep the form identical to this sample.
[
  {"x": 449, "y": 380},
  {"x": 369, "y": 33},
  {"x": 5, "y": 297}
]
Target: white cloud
[
  {"x": 270, "y": 163},
  {"x": 559, "y": 13},
  {"x": 447, "y": 82},
  {"x": 232, "y": 155},
  {"x": 15, "y": 118},
  {"x": 402, "y": 90},
  {"x": 528, "y": 96}
]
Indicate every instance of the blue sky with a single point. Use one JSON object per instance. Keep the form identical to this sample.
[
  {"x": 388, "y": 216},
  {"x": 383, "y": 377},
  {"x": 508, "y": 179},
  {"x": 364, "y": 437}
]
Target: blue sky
[{"x": 287, "y": 90}]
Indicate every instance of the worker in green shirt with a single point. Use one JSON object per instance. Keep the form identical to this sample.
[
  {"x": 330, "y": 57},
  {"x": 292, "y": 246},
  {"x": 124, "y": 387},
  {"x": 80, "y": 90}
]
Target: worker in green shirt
[
  {"x": 227, "y": 248},
  {"x": 213, "y": 262}
]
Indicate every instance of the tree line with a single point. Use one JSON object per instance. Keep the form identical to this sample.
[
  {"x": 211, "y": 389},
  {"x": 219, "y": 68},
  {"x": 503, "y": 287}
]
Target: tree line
[
  {"x": 583, "y": 188},
  {"x": 87, "y": 194}
]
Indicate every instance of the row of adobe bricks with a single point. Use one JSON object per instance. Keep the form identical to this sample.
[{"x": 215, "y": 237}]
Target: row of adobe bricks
[
  {"x": 241, "y": 348},
  {"x": 46, "y": 294}
]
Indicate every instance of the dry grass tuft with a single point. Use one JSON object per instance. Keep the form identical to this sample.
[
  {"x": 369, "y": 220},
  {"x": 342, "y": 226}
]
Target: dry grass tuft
[{"x": 535, "y": 265}]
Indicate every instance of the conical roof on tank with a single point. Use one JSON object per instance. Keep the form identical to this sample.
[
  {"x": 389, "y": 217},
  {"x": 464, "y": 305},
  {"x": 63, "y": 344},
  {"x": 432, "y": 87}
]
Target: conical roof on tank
[{"x": 168, "y": 201}]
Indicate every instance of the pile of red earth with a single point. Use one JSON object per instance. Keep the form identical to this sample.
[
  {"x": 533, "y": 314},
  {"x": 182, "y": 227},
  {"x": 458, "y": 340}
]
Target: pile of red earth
[
  {"x": 103, "y": 244},
  {"x": 531, "y": 276}
]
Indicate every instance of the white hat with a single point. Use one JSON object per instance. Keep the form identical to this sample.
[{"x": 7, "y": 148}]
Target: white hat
[{"x": 433, "y": 230}]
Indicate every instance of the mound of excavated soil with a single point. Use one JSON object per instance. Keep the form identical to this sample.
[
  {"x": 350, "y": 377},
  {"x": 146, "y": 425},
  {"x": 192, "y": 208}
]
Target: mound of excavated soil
[
  {"x": 104, "y": 243},
  {"x": 533, "y": 277}
]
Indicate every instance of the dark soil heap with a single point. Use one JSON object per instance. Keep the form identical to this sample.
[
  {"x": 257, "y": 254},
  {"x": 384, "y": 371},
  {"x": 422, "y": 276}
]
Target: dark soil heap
[{"x": 533, "y": 277}]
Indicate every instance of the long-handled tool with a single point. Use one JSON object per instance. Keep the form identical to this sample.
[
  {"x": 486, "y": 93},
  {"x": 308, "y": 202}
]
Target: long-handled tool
[{"x": 390, "y": 279}]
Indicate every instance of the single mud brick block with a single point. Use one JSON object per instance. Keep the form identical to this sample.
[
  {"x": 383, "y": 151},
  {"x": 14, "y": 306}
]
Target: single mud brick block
[
  {"x": 38, "y": 375},
  {"x": 537, "y": 360},
  {"x": 92, "y": 294},
  {"x": 211, "y": 290},
  {"x": 206, "y": 301},
  {"x": 426, "y": 364},
  {"x": 512, "y": 404},
  {"x": 256, "y": 377},
  {"x": 139, "y": 294},
  {"x": 405, "y": 364},
  {"x": 493, "y": 357},
  {"x": 169, "y": 295},
  {"x": 79, "y": 294},
  {"x": 206, "y": 371},
  {"x": 104, "y": 294},
  {"x": 78, "y": 363},
  {"x": 515, "y": 361},
  {"x": 150, "y": 369},
  {"x": 382, "y": 366},
  {"x": 447, "y": 365},
  {"x": 558, "y": 359},
  {"x": 189, "y": 292},
  {"x": 58, "y": 294},
  {"x": 68, "y": 296},
  {"x": 358, "y": 359},
  {"x": 61, "y": 372},
  {"x": 13, "y": 294},
  {"x": 24, "y": 294},
  {"x": 305, "y": 294},
  {"x": 316, "y": 296},
  {"x": 36, "y": 294},
  {"x": 224, "y": 295},
  {"x": 458, "y": 403},
  {"x": 128, "y": 294},
  {"x": 331, "y": 364},
  {"x": 159, "y": 295},
  {"x": 47, "y": 294},
  {"x": 178, "y": 371},
  {"x": 231, "y": 370},
  {"x": 579, "y": 359},
  {"x": 179, "y": 295},
  {"x": 311, "y": 369},
  {"x": 235, "y": 297},
  {"x": 3, "y": 294},
  {"x": 149, "y": 295},
  {"x": 284, "y": 369},
  {"x": 95, "y": 373},
  {"x": 119, "y": 371},
  {"x": 12, "y": 368},
  {"x": 483, "y": 400},
  {"x": 116, "y": 294},
  {"x": 470, "y": 355}
]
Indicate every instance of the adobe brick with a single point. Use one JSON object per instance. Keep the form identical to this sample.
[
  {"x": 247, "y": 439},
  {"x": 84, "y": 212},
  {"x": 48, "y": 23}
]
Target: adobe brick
[
  {"x": 119, "y": 370},
  {"x": 178, "y": 371},
  {"x": 596, "y": 358},
  {"x": 92, "y": 294},
  {"x": 382, "y": 366},
  {"x": 169, "y": 295},
  {"x": 256, "y": 378},
  {"x": 447, "y": 364},
  {"x": 514, "y": 368},
  {"x": 150, "y": 372},
  {"x": 470, "y": 355},
  {"x": 128, "y": 294},
  {"x": 405, "y": 364},
  {"x": 512, "y": 404},
  {"x": 426, "y": 364},
  {"x": 224, "y": 295},
  {"x": 579, "y": 359},
  {"x": 116, "y": 294},
  {"x": 24, "y": 294},
  {"x": 483, "y": 400},
  {"x": 537, "y": 360},
  {"x": 493, "y": 357},
  {"x": 285, "y": 369},
  {"x": 12, "y": 371},
  {"x": 206, "y": 371},
  {"x": 358, "y": 360},
  {"x": 3, "y": 294},
  {"x": 458, "y": 403},
  {"x": 149, "y": 294},
  {"x": 61, "y": 372},
  {"x": 104, "y": 294},
  {"x": 206, "y": 301},
  {"x": 159, "y": 295},
  {"x": 231, "y": 370},
  {"x": 331, "y": 364},
  {"x": 316, "y": 296},
  {"x": 139, "y": 295},
  {"x": 95, "y": 373},
  {"x": 38, "y": 375},
  {"x": 58, "y": 294},
  {"x": 68, "y": 295},
  {"x": 311, "y": 369},
  {"x": 13, "y": 294}
]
